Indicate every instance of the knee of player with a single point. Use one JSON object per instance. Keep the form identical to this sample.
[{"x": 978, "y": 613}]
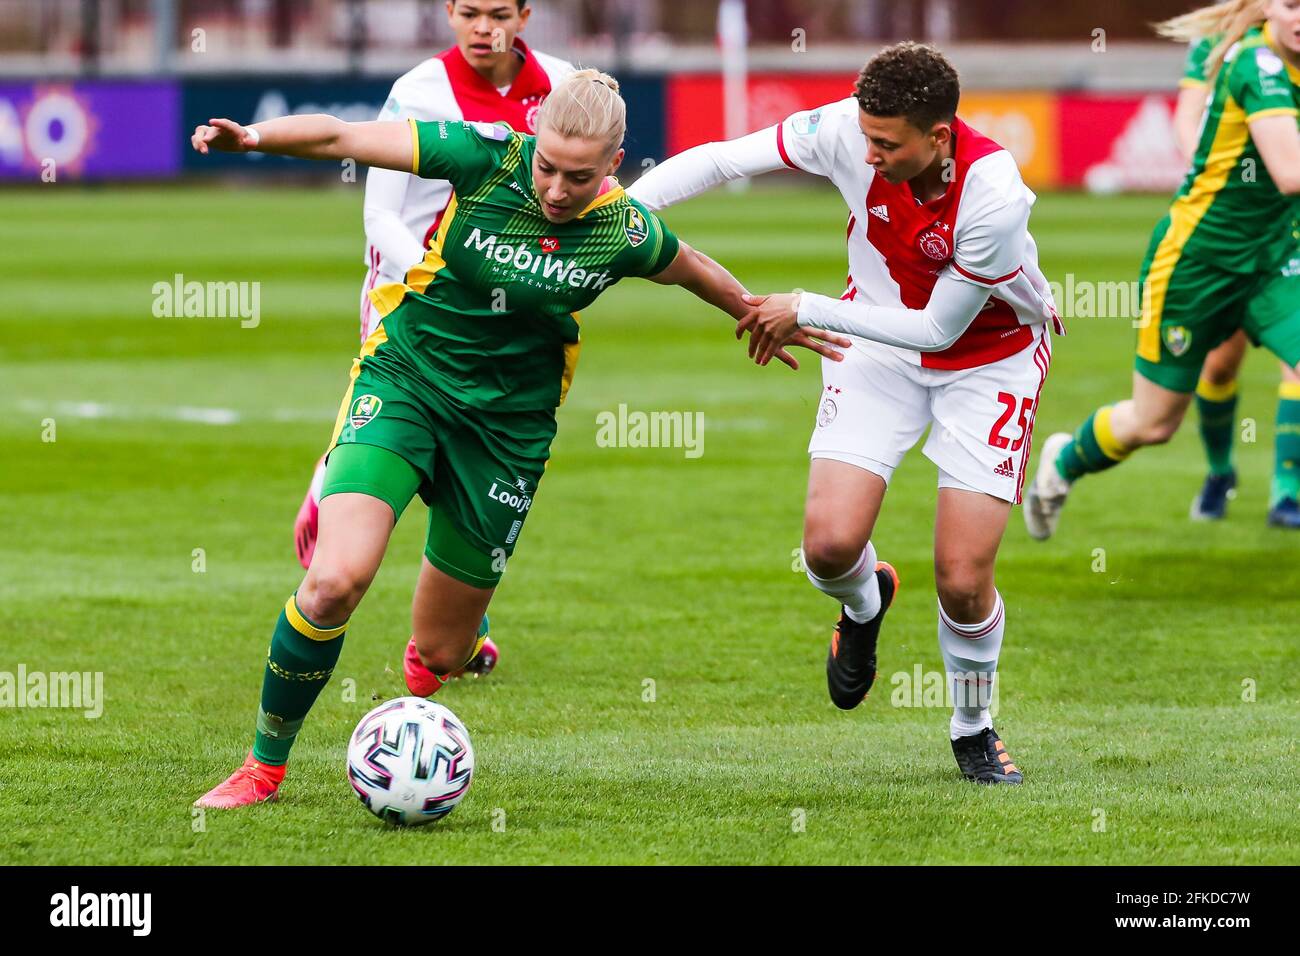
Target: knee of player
[
  {"x": 442, "y": 658},
  {"x": 328, "y": 595},
  {"x": 1158, "y": 432},
  {"x": 962, "y": 587},
  {"x": 1219, "y": 376},
  {"x": 829, "y": 556}
]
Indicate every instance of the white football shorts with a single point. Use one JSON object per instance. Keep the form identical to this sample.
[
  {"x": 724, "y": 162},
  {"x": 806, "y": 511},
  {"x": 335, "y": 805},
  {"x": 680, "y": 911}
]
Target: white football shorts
[{"x": 876, "y": 404}]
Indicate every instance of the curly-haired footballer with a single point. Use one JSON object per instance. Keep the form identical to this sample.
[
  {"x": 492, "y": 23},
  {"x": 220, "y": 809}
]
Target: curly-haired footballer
[{"x": 951, "y": 314}]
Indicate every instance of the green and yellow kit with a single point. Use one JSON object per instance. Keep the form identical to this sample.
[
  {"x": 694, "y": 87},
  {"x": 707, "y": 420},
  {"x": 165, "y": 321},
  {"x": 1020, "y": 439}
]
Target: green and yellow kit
[
  {"x": 478, "y": 345},
  {"x": 1227, "y": 255}
]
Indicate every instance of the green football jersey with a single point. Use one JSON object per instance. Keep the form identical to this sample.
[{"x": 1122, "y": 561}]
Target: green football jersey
[
  {"x": 1228, "y": 210},
  {"x": 490, "y": 316},
  {"x": 1194, "y": 66}
]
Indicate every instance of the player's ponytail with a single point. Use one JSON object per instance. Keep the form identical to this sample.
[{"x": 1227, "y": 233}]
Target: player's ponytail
[
  {"x": 586, "y": 105},
  {"x": 1228, "y": 21}
]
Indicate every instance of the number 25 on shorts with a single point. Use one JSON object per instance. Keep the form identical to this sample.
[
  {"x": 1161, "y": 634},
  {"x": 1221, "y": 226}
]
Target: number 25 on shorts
[{"x": 1009, "y": 405}]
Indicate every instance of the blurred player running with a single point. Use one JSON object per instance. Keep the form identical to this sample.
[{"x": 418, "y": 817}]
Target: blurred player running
[
  {"x": 454, "y": 394},
  {"x": 1216, "y": 392},
  {"x": 1216, "y": 264},
  {"x": 489, "y": 76},
  {"x": 951, "y": 311}
]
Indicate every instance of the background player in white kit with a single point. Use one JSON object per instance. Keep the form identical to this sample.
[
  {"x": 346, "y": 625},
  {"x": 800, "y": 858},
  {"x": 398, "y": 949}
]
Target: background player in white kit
[
  {"x": 489, "y": 76},
  {"x": 945, "y": 289}
]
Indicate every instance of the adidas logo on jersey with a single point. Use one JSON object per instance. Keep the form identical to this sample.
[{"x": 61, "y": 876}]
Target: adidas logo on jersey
[
  {"x": 1007, "y": 469},
  {"x": 880, "y": 212}
]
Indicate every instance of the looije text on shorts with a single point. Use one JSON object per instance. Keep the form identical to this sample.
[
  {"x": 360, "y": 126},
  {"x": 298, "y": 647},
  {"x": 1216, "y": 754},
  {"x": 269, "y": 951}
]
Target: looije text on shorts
[
  {"x": 76, "y": 690},
  {"x": 637, "y": 429},
  {"x": 179, "y": 299},
  {"x": 514, "y": 496}
]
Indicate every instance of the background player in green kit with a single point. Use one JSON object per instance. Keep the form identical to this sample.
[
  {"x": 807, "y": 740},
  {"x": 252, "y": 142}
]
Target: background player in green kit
[
  {"x": 1216, "y": 264},
  {"x": 453, "y": 397},
  {"x": 1217, "y": 391}
]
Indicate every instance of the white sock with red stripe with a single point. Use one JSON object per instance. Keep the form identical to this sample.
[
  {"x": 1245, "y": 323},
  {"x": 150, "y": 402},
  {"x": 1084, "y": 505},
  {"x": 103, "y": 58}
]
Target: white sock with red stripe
[
  {"x": 970, "y": 658},
  {"x": 858, "y": 589}
]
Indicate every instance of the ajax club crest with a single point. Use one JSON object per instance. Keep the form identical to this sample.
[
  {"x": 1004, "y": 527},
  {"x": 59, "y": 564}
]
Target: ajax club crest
[
  {"x": 934, "y": 245},
  {"x": 364, "y": 410},
  {"x": 826, "y": 414}
]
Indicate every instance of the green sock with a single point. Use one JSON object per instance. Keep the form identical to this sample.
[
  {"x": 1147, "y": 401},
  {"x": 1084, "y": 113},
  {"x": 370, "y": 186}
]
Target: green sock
[
  {"x": 1094, "y": 448},
  {"x": 1217, "y": 405},
  {"x": 1286, "y": 443},
  {"x": 298, "y": 666}
]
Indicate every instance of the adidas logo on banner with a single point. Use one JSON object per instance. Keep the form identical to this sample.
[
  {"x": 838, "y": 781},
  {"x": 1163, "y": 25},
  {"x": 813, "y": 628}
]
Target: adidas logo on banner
[
  {"x": 1006, "y": 469},
  {"x": 880, "y": 212},
  {"x": 1144, "y": 156}
]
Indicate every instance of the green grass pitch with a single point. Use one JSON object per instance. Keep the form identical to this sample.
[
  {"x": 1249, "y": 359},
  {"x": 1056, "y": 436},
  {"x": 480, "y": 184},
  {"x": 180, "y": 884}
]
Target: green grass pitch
[{"x": 1133, "y": 639}]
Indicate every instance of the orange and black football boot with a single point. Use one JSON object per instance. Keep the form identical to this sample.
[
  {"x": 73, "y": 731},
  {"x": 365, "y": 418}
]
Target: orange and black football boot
[
  {"x": 983, "y": 758},
  {"x": 851, "y": 663}
]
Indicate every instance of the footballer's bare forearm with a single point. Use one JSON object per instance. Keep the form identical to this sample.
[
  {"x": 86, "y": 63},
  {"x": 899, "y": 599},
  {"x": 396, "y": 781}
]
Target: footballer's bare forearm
[
  {"x": 1278, "y": 142},
  {"x": 711, "y": 282},
  {"x": 386, "y": 144},
  {"x": 701, "y": 276}
]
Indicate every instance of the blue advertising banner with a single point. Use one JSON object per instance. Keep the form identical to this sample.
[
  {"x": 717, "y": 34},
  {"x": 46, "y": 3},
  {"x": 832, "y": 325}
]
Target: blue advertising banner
[
  {"x": 250, "y": 100},
  {"x": 100, "y": 129},
  {"x": 647, "y": 124},
  {"x": 94, "y": 129}
]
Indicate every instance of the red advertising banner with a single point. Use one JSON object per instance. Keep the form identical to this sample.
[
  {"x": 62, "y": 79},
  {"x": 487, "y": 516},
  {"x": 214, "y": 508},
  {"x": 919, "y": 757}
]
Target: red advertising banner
[
  {"x": 1118, "y": 143},
  {"x": 1101, "y": 142},
  {"x": 695, "y": 103}
]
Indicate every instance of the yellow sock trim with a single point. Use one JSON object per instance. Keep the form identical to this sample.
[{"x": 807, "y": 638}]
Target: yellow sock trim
[
  {"x": 1106, "y": 440},
  {"x": 306, "y": 628},
  {"x": 1216, "y": 393},
  {"x": 1289, "y": 390}
]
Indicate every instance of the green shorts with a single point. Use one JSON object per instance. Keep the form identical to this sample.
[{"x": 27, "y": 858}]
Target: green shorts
[
  {"x": 1190, "y": 306},
  {"x": 477, "y": 470}
]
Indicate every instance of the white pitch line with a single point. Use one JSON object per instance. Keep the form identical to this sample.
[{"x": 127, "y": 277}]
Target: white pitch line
[
  {"x": 228, "y": 416},
  {"x": 179, "y": 413}
]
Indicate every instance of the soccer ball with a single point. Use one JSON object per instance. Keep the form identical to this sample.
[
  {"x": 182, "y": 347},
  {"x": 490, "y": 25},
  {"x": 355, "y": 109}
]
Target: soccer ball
[{"x": 410, "y": 761}]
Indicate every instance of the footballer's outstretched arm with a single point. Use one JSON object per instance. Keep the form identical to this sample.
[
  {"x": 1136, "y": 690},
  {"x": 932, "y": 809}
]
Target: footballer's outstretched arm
[
  {"x": 954, "y": 304},
  {"x": 700, "y": 168},
  {"x": 703, "y": 277},
  {"x": 991, "y": 241},
  {"x": 382, "y": 217},
  {"x": 319, "y": 136}
]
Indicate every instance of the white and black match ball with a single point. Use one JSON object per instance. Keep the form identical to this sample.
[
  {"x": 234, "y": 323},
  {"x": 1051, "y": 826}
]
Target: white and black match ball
[{"x": 410, "y": 761}]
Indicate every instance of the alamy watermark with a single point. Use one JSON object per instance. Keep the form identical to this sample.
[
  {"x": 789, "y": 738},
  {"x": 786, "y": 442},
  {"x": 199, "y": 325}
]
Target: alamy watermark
[
  {"x": 74, "y": 908},
  {"x": 637, "y": 429},
  {"x": 921, "y": 688},
  {"x": 1086, "y": 299},
  {"x": 76, "y": 690},
  {"x": 179, "y": 299}
]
